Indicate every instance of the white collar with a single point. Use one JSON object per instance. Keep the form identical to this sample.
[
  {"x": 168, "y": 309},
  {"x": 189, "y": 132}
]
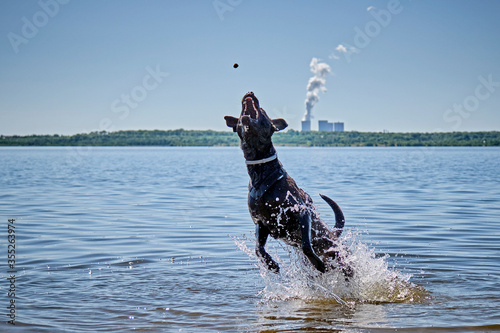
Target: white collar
[{"x": 264, "y": 160}]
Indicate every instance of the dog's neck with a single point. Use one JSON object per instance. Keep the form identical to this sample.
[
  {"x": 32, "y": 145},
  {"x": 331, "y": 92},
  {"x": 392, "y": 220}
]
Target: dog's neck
[
  {"x": 259, "y": 171},
  {"x": 261, "y": 161}
]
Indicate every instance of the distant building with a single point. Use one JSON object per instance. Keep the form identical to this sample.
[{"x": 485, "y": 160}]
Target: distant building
[
  {"x": 306, "y": 125},
  {"x": 324, "y": 125}
]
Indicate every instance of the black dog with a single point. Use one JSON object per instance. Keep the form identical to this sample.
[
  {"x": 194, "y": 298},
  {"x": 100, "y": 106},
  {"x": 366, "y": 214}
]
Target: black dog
[{"x": 277, "y": 205}]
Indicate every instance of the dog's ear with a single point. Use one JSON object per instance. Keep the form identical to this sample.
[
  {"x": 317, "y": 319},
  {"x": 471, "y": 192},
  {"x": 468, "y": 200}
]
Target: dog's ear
[
  {"x": 279, "y": 124},
  {"x": 231, "y": 122}
]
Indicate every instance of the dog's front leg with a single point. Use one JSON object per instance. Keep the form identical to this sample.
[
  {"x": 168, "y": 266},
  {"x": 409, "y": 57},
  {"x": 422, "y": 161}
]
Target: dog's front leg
[
  {"x": 261, "y": 234},
  {"x": 305, "y": 224}
]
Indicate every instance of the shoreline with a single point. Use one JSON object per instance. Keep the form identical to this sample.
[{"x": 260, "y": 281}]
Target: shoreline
[{"x": 291, "y": 138}]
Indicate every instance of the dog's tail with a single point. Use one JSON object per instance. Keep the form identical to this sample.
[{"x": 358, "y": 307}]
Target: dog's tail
[{"x": 339, "y": 216}]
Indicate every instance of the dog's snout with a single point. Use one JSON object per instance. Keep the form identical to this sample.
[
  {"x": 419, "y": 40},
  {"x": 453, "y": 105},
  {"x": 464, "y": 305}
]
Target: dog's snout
[{"x": 245, "y": 120}]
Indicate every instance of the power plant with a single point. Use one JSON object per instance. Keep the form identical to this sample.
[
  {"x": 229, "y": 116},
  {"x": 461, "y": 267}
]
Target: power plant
[
  {"x": 314, "y": 86},
  {"x": 323, "y": 125},
  {"x": 306, "y": 125},
  {"x": 338, "y": 127}
]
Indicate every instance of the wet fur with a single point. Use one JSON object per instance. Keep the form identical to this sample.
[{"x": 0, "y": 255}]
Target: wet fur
[{"x": 284, "y": 211}]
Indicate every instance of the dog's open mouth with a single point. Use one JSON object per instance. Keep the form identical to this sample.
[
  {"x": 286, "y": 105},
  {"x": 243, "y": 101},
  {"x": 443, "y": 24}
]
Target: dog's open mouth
[{"x": 250, "y": 106}]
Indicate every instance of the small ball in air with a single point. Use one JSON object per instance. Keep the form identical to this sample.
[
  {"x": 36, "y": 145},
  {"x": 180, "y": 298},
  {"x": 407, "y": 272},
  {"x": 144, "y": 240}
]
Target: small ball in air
[{"x": 235, "y": 65}]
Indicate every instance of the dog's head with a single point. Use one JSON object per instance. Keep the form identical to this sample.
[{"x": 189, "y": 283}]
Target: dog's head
[{"x": 254, "y": 127}]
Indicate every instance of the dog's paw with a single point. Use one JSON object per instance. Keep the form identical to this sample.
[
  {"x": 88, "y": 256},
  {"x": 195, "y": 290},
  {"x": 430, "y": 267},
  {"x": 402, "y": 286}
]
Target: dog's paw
[
  {"x": 348, "y": 272},
  {"x": 320, "y": 266},
  {"x": 273, "y": 266}
]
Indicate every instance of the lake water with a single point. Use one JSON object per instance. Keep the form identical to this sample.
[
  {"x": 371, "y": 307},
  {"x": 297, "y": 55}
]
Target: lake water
[{"x": 160, "y": 239}]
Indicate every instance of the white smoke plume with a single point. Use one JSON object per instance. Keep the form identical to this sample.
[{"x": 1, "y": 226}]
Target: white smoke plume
[{"x": 316, "y": 83}]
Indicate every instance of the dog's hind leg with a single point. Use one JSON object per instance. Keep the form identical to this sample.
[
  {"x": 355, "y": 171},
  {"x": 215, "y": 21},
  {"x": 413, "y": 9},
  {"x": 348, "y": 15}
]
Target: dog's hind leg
[
  {"x": 339, "y": 225},
  {"x": 261, "y": 234},
  {"x": 305, "y": 224}
]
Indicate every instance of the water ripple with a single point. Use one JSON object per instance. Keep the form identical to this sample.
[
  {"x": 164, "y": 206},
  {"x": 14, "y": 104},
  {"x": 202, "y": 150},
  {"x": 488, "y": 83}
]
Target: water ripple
[{"x": 116, "y": 239}]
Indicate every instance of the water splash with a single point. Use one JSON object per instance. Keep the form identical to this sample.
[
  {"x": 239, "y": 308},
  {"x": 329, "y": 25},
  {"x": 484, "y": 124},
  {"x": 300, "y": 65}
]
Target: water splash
[{"x": 373, "y": 280}]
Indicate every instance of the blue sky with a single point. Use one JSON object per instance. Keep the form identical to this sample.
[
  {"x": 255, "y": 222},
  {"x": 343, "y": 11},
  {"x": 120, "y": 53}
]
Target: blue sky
[{"x": 77, "y": 66}]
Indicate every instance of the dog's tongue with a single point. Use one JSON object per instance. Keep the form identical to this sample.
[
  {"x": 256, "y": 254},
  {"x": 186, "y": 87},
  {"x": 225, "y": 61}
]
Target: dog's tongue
[{"x": 250, "y": 108}]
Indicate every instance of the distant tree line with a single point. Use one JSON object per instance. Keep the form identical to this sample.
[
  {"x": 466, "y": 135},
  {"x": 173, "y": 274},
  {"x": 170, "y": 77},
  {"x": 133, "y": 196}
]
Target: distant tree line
[
  {"x": 376, "y": 139},
  {"x": 183, "y": 137}
]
